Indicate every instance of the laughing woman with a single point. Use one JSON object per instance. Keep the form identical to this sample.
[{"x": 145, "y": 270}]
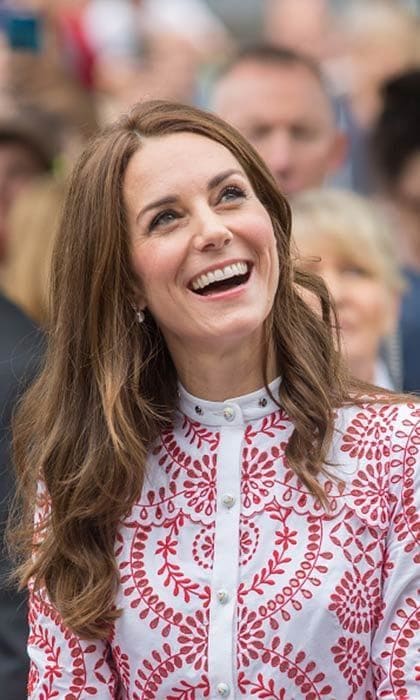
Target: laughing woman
[{"x": 220, "y": 511}]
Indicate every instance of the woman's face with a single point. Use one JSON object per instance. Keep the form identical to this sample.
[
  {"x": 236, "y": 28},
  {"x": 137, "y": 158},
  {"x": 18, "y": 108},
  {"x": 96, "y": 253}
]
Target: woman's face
[
  {"x": 367, "y": 309},
  {"x": 203, "y": 245}
]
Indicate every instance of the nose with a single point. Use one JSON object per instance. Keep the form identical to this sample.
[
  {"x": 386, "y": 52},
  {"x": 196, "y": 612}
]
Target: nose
[
  {"x": 278, "y": 152},
  {"x": 211, "y": 232}
]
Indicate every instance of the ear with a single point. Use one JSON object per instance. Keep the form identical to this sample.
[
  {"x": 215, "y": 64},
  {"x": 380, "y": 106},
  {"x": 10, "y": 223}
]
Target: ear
[
  {"x": 141, "y": 305},
  {"x": 138, "y": 298},
  {"x": 338, "y": 151}
]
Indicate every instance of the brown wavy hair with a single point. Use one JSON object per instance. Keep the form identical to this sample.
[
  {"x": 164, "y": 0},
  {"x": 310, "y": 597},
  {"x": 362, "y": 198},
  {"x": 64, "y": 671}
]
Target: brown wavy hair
[{"x": 109, "y": 385}]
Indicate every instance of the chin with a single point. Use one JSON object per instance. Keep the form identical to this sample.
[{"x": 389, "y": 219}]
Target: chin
[
  {"x": 234, "y": 330},
  {"x": 243, "y": 329}
]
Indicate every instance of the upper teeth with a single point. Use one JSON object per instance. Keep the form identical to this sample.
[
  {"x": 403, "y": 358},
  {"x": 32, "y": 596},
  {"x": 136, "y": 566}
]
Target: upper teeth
[{"x": 223, "y": 273}]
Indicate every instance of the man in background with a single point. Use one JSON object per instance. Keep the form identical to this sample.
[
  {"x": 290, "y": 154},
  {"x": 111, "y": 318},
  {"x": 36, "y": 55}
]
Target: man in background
[{"x": 280, "y": 102}]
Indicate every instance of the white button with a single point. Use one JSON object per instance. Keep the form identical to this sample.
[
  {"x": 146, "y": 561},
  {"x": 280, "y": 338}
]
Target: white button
[
  {"x": 228, "y": 500},
  {"x": 229, "y": 413},
  {"x": 223, "y": 690},
  {"x": 222, "y": 596}
]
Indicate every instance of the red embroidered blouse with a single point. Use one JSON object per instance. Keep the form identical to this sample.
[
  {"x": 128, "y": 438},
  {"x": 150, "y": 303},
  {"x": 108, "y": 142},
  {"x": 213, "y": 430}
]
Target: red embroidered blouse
[{"x": 236, "y": 583}]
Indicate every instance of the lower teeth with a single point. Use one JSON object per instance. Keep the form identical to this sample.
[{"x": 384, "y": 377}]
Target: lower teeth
[{"x": 223, "y": 286}]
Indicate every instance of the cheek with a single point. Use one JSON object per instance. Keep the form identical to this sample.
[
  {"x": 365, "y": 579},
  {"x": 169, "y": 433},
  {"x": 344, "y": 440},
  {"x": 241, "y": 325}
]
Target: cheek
[
  {"x": 271, "y": 255},
  {"x": 262, "y": 231},
  {"x": 258, "y": 234},
  {"x": 145, "y": 257},
  {"x": 152, "y": 263},
  {"x": 317, "y": 152},
  {"x": 275, "y": 269},
  {"x": 372, "y": 302}
]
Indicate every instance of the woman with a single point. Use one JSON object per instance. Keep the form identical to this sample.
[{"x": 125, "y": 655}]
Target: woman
[
  {"x": 344, "y": 240},
  {"x": 190, "y": 544}
]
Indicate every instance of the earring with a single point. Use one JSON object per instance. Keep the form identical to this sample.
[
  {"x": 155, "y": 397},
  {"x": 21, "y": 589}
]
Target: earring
[{"x": 140, "y": 316}]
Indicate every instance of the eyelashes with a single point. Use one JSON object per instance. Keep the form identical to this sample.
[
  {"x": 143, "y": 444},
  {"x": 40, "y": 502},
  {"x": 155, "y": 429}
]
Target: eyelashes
[
  {"x": 163, "y": 218},
  {"x": 229, "y": 194},
  {"x": 232, "y": 192}
]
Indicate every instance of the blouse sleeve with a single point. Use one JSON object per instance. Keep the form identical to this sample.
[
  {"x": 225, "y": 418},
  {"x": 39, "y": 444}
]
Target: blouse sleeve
[
  {"x": 62, "y": 666},
  {"x": 394, "y": 652}
]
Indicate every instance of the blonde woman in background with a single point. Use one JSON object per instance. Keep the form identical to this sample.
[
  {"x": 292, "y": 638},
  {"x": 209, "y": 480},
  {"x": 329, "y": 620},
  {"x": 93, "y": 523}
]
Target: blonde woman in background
[
  {"x": 31, "y": 233},
  {"x": 341, "y": 237}
]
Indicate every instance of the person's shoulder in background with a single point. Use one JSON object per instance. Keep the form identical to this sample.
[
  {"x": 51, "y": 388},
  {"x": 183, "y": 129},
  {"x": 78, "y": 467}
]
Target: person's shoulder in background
[{"x": 21, "y": 349}]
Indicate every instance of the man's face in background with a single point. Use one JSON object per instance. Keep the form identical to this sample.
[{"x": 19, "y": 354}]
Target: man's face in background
[{"x": 284, "y": 111}]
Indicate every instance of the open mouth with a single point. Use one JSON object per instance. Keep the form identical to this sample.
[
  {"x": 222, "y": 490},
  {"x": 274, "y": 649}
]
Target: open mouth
[{"x": 222, "y": 279}]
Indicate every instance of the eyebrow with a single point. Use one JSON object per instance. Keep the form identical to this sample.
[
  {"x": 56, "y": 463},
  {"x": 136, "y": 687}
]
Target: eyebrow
[{"x": 172, "y": 199}]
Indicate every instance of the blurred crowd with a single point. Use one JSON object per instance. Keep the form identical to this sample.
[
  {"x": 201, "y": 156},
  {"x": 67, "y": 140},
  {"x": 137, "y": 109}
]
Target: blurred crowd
[{"x": 328, "y": 92}]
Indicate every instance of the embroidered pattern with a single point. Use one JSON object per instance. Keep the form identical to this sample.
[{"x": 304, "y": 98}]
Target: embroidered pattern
[{"x": 311, "y": 619}]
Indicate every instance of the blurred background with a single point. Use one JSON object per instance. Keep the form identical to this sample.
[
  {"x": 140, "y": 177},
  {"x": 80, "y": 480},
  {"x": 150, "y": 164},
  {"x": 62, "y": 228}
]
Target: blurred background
[
  {"x": 328, "y": 91},
  {"x": 82, "y": 62},
  {"x": 67, "y": 67}
]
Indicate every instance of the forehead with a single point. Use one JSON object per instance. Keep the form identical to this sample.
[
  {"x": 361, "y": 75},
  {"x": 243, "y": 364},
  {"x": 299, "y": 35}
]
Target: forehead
[
  {"x": 330, "y": 241},
  {"x": 175, "y": 161},
  {"x": 254, "y": 89},
  {"x": 335, "y": 246}
]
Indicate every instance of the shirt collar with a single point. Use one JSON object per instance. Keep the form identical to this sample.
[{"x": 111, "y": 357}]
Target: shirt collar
[{"x": 234, "y": 411}]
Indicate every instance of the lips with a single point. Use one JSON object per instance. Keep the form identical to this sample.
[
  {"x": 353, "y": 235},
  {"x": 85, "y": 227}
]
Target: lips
[{"x": 221, "y": 278}]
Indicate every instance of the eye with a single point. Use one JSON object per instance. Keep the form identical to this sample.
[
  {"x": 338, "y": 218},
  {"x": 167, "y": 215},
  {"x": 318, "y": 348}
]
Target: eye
[
  {"x": 355, "y": 271},
  {"x": 163, "y": 219},
  {"x": 302, "y": 133},
  {"x": 231, "y": 192},
  {"x": 259, "y": 132}
]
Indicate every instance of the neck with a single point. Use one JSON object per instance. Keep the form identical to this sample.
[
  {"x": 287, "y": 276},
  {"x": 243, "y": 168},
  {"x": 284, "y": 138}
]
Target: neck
[
  {"x": 363, "y": 369},
  {"x": 216, "y": 375}
]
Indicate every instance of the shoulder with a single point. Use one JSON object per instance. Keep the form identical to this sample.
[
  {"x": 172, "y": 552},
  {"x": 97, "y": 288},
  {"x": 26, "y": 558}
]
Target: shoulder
[
  {"x": 378, "y": 414},
  {"x": 376, "y": 447},
  {"x": 377, "y": 426},
  {"x": 9, "y": 312},
  {"x": 21, "y": 349},
  {"x": 19, "y": 337}
]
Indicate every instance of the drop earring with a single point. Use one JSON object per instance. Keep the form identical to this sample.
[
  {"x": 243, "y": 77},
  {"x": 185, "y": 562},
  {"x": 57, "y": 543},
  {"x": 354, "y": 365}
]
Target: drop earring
[{"x": 140, "y": 316}]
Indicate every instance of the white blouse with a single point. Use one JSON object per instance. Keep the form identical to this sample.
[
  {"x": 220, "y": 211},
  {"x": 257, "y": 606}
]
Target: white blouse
[{"x": 235, "y": 582}]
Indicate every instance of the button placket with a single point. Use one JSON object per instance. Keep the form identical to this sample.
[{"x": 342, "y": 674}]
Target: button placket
[{"x": 224, "y": 582}]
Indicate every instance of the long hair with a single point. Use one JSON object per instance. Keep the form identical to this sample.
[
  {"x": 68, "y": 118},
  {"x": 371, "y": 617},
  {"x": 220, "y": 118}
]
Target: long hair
[{"x": 109, "y": 386}]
